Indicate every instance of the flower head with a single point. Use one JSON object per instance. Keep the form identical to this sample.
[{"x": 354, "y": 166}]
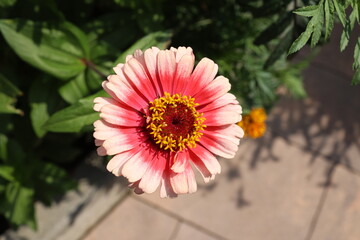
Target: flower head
[
  {"x": 163, "y": 118},
  {"x": 254, "y": 123}
]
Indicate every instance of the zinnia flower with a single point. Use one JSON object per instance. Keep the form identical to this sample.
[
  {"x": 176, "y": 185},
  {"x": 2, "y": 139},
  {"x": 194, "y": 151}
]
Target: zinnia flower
[
  {"x": 254, "y": 123},
  {"x": 163, "y": 118}
]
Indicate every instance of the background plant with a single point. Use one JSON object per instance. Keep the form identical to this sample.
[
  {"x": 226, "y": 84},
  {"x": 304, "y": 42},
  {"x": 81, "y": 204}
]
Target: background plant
[{"x": 54, "y": 54}]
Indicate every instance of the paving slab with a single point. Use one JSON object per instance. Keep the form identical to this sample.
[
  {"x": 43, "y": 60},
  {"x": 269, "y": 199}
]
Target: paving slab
[
  {"x": 340, "y": 216},
  {"x": 133, "y": 220},
  {"x": 187, "y": 232},
  {"x": 72, "y": 215},
  {"x": 272, "y": 199},
  {"x": 326, "y": 123}
]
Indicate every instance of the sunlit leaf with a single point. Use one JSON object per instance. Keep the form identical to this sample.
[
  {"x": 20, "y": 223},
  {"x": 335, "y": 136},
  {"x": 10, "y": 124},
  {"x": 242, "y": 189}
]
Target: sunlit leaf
[{"x": 57, "y": 50}]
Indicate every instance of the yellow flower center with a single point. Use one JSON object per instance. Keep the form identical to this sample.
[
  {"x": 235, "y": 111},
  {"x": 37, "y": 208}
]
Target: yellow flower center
[{"x": 174, "y": 123}]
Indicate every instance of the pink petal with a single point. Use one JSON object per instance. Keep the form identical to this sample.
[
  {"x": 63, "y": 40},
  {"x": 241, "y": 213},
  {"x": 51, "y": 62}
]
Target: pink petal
[
  {"x": 166, "y": 189},
  {"x": 105, "y": 130},
  {"x": 153, "y": 175},
  {"x": 98, "y": 142},
  {"x": 181, "y": 51},
  {"x": 222, "y": 116},
  {"x": 219, "y": 146},
  {"x": 180, "y": 161},
  {"x": 101, "y": 151},
  {"x": 122, "y": 142},
  {"x": 222, "y": 101},
  {"x": 119, "y": 70},
  {"x": 135, "y": 168},
  {"x": 116, "y": 163},
  {"x": 231, "y": 132},
  {"x": 212, "y": 91},
  {"x": 125, "y": 95},
  {"x": 203, "y": 74},
  {"x": 205, "y": 162},
  {"x": 139, "y": 80},
  {"x": 118, "y": 80},
  {"x": 166, "y": 69},
  {"x": 102, "y": 101},
  {"x": 182, "y": 74},
  {"x": 135, "y": 186},
  {"x": 150, "y": 57},
  {"x": 184, "y": 182},
  {"x": 121, "y": 116}
]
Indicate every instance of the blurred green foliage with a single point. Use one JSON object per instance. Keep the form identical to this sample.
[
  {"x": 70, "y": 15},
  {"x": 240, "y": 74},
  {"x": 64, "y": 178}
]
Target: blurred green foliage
[{"x": 55, "y": 54}]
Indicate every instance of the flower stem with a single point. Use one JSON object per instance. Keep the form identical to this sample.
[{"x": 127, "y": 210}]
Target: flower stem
[{"x": 93, "y": 67}]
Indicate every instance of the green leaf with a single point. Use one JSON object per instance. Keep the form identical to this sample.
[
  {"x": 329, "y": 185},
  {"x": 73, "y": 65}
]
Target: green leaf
[
  {"x": 6, "y": 105},
  {"x": 75, "y": 89},
  {"x": 301, "y": 40},
  {"x": 43, "y": 99},
  {"x": 349, "y": 26},
  {"x": 356, "y": 78},
  {"x": 157, "y": 39},
  {"x": 3, "y": 147},
  {"x": 57, "y": 50},
  {"x": 274, "y": 29},
  {"x": 19, "y": 205},
  {"x": 8, "y": 93},
  {"x": 7, "y": 3},
  {"x": 316, "y": 23},
  {"x": 329, "y": 17},
  {"x": 340, "y": 10},
  {"x": 76, "y": 118},
  {"x": 356, "y": 63},
  {"x": 51, "y": 182},
  {"x": 8, "y": 87},
  {"x": 93, "y": 79},
  {"x": 307, "y": 11},
  {"x": 72, "y": 119},
  {"x": 281, "y": 48},
  {"x": 293, "y": 82},
  {"x": 7, "y": 172}
]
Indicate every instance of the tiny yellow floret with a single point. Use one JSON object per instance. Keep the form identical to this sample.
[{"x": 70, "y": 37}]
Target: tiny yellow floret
[{"x": 174, "y": 123}]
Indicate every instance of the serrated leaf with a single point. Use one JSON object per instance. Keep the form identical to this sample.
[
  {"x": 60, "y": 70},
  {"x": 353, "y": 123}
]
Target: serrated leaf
[
  {"x": 356, "y": 64},
  {"x": 301, "y": 40},
  {"x": 345, "y": 36},
  {"x": 329, "y": 17},
  {"x": 307, "y": 11},
  {"x": 317, "y": 23},
  {"x": 157, "y": 39},
  {"x": 340, "y": 10},
  {"x": 356, "y": 78},
  {"x": 274, "y": 29},
  {"x": 55, "y": 50},
  {"x": 75, "y": 89}
]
